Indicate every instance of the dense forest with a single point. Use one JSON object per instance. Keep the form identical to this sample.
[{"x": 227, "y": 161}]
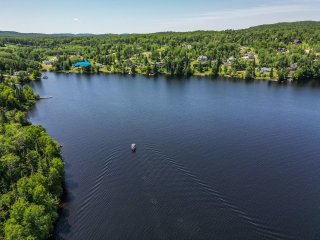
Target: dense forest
[
  {"x": 31, "y": 169},
  {"x": 284, "y": 51}
]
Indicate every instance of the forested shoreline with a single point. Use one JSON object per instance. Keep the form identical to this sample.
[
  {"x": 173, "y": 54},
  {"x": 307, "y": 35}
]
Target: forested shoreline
[
  {"x": 31, "y": 168},
  {"x": 284, "y": 51}
]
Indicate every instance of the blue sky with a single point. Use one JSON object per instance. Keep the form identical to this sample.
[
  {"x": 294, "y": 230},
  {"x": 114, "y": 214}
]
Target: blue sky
[{"x": 141, "y": 16}]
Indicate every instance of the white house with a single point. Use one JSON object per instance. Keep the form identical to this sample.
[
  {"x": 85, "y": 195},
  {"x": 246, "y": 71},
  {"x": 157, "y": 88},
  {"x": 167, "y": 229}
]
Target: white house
[
  {"x": 265, "y": 70},
  {"x": 25, "y": 73},
  {"x": 187, "y": 46},
  {"x": 202, "y": 58}
]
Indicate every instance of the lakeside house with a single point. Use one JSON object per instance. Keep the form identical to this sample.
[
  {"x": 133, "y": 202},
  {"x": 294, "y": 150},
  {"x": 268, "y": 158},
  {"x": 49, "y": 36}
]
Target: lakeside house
[
  {"x": 186, "y": 46},
  {"x": 297, "y": 41},
  {"x": 19, "y": 73},
  {"x": 48, "y": 63},
  {"x": 282, "y": 49},
  {"x": 293, "y": 66},
  {"x": 248, "y": 56},
  {"x": 202, "y": 58},
  {"x": 265, "y": 70},
  {"x": 82, "y": 64},
  {"x": 230, "y": 61}
]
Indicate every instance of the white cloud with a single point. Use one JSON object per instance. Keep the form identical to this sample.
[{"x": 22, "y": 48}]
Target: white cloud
[{"x": 76, "y": 19}]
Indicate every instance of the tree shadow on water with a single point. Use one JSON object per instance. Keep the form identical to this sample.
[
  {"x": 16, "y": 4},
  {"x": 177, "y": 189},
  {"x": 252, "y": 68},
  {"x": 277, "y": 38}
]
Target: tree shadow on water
[{"x": 62, "y": 226}]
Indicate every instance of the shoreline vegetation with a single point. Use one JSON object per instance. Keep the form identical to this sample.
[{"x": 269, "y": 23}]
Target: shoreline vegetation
[
  {"x": 278, "y": 52},
  {"x": 31, "y": 168}
]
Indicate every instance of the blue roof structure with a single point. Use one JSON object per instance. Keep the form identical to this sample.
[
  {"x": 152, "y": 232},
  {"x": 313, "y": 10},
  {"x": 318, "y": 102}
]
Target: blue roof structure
[{"x": 82, "y": 64}]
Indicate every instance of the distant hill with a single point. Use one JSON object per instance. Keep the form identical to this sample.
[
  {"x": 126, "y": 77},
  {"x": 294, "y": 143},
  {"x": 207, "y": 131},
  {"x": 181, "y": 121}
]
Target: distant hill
[
  {"x": 72, "y": 35},
  {"x": 271, "y": 26},
  {"x": 287, "y": 24},
  {"x": 13, "y": 33}
]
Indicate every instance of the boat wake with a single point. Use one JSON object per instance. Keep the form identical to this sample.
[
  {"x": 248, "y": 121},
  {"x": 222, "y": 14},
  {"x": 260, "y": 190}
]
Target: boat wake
[
  {"x": 92, "y": 195},
  {"x": 264, "y": 231}
]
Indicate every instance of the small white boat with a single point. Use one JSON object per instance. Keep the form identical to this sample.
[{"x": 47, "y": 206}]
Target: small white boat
[
  {"x": 133, "y": 147},
  {"x": 45, "y": 77}
]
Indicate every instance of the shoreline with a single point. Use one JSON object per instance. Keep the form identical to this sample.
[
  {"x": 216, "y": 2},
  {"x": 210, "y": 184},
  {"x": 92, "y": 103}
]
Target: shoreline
[
  {"x": 62, "y": 197},
  {"x": 166, "y": 75}
]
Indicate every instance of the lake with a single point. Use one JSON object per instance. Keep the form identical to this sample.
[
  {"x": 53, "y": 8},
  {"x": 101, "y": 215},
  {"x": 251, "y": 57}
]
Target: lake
[{"x": 215, "y": 159}]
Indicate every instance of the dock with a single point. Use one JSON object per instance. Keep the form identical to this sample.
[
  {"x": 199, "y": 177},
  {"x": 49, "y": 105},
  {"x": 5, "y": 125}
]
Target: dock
[{"x": 48, "y": 97}]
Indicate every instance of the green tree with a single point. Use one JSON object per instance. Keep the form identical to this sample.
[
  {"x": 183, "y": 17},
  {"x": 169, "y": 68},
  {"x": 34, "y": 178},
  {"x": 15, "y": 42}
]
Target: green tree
[{"x": 282, "y": 74}]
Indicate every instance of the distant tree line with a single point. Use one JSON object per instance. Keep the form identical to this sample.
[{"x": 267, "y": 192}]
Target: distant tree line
[{"x": 286, "y": 50}]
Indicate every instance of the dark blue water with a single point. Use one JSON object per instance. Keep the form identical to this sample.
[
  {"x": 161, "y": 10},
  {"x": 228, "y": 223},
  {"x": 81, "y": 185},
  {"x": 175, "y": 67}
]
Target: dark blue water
[{"x": 216, "y": 159}]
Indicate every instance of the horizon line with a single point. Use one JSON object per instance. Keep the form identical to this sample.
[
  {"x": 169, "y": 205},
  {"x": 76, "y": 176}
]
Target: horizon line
[{"x": 169, "y": 31}]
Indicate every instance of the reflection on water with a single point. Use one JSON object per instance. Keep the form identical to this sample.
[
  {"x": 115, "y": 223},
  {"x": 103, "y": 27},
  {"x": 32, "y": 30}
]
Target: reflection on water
[{"x": 216, "y": 159}]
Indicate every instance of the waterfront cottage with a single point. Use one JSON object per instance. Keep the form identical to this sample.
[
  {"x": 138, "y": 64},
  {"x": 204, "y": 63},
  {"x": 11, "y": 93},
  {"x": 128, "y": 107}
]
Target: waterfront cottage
[
  {"x": 230, "y": 61},
  {"x": 293, "y": 66},
  {"x": 82, "y": 64},
  {"x": 19, "y": 73},
  {"x": 297, "y": 41},
  {"x": 265, "y": 70}
]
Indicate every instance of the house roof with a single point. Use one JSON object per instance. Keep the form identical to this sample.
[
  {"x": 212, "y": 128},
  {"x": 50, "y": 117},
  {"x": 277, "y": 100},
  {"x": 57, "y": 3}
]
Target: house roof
[
  {"x": 265, "y": 69},
  {"x": 202, "y": 58},
  {"x": 293, "y": 66},
  {"x": 82, "y": 64}
]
